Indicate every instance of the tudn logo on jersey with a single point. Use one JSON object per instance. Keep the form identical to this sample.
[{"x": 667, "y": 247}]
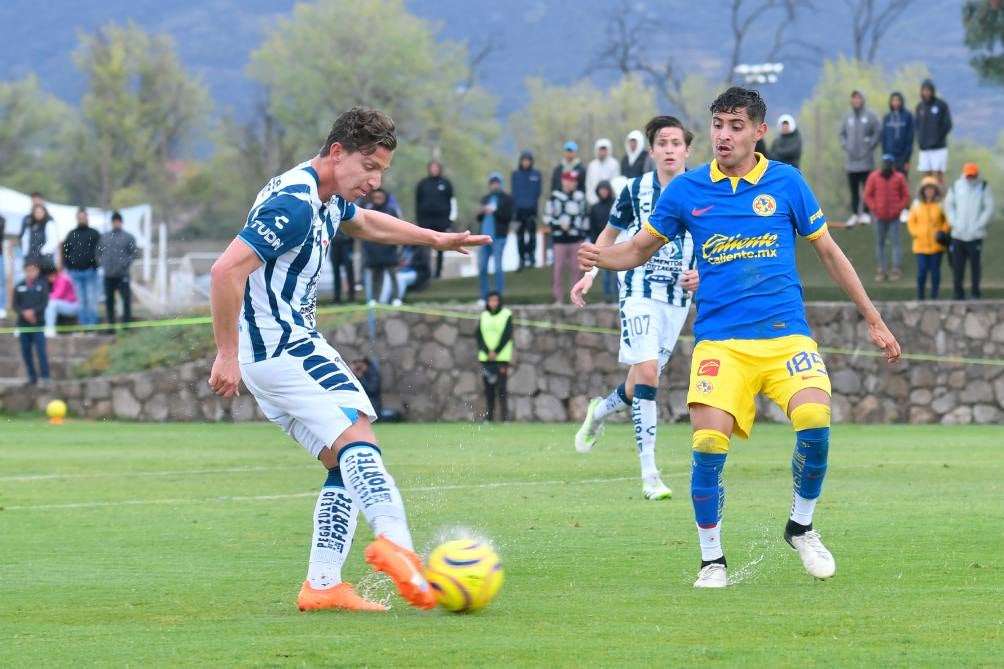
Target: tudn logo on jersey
[
  {"x": 266, "y": 233},
  {"x": 708, "y": 367},
  {"x": 719, "y": 248},
  {"x": 764, "y": 205}
]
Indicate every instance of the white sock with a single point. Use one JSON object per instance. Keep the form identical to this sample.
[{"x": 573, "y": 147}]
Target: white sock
[
  {"x": 802, "y": 509},
  {"x": 711, "y": 542},
  {"x": 374, "y": 488},
  {"x": 335, "y": 517},
  {"x": 612, "y": 403},
  {"x": 644, "y": 416}
]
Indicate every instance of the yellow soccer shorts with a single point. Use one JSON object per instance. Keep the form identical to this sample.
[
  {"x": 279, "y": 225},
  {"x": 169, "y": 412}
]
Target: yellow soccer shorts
[{"x": 729, "y": 374}]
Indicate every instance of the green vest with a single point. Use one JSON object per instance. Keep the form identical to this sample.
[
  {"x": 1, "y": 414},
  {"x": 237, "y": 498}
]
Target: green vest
[{"x": 492, "y": 326}]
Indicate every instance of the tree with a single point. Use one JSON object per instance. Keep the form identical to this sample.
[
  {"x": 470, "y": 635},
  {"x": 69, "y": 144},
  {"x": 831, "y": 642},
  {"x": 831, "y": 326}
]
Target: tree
[
  {"x": 870, "y": 21},
  {"x": 33, "y": 125},
  {"x": 983, "y": 21},
  {"x": 141, "y": 111},
  {"x": 335, "y": 54}
]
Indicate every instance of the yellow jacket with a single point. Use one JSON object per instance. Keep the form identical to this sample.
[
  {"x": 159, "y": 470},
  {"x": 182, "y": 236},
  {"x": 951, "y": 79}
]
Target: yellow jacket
[{"x": 926, "y": 219}]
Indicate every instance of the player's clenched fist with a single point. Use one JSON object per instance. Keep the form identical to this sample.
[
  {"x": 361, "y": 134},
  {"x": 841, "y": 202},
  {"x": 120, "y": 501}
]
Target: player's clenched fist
[
  {"x": 225, "y": 379},
  {"x": 589, "y": 255}
]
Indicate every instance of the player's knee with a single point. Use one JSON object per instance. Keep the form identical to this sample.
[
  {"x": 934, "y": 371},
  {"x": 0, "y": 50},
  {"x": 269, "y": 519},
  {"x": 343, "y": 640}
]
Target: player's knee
[
  {"x": 810, "y": 416},
  {"x": 647, "y": 373},
  {"x": 710, "y": 441}
]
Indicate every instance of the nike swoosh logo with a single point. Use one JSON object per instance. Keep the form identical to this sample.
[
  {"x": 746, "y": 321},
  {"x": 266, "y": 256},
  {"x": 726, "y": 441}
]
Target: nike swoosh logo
[
  {"x": 416, "y": 578},
  {"x": 810, "y": 376},
  {"x": 697, "y": 212},
  {"x": 701, "y": 499}
]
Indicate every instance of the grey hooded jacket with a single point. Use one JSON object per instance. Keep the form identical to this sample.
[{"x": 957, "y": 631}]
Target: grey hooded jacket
[{"x": 860, "y": 132}]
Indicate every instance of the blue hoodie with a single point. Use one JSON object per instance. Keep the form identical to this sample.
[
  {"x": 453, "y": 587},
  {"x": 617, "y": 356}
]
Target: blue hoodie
[
  {"x": 526, "y": 184},
  {"x": 897, "y": 131}
]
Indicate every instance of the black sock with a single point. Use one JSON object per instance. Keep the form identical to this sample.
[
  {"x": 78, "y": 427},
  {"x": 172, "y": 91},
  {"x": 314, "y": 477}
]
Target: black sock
[
  {"x": 721, "y": 561},
  {"x": 793, "y": 529}
]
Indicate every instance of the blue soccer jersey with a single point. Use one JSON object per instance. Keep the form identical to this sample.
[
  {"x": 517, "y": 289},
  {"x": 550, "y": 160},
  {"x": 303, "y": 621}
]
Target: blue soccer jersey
[
  {"x": 659, "y": 277},
  {"x": 289, "y": 228},
  {"x": 744, "y": 231}
]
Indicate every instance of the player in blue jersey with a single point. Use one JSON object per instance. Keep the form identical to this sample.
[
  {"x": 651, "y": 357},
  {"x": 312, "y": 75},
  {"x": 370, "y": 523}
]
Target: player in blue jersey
[
  {"x": 745, "y": 213},
  {"x": 264, "y": 294},
  {"x": 654, "y": 302}
]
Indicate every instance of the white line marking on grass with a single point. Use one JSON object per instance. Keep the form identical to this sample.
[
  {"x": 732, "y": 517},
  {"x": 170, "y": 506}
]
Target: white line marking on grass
[
  {"x": 129, "y": 474},
  {"x": 295, "y": 495}
]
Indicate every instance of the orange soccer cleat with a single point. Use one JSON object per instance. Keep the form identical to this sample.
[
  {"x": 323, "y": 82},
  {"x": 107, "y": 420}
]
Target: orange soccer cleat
[
  {"x": 341, "y": 596},
  {"x": 404, "y": 568}
]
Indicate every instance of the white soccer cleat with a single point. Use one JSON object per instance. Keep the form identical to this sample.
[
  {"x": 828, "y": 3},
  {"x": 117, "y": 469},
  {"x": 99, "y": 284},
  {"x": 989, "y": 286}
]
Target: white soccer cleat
[
  {"x": 590, "y": 430},
  {"x": 654, "y": 489},
  {"x": 712, "y": 576},
  {"x": 815, "y": 558}
]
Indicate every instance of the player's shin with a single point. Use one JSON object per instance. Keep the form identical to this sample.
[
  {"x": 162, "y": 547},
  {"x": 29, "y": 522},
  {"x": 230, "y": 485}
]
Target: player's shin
[
  {"x": 644, "y": 415},
  {"x": 616, "y": 401},
  {"x": 707, "y": 490},
  {"x": 808, "y": 462},
  {"x": 335, "y": 517},
  {"x": 376, "y": 492}
]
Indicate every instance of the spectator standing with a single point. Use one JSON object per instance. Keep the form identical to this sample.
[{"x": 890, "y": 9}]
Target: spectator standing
[
  {"x": 62, "y": 300},
  {"x": 39, "y": 237},
  {"x": 887, "y": 194},
  {"x": 569, "y": 163},
  {"x": 929, "y": 229},
  {"x": 3, "y": 269},
  {"x": 526, "y": 190},
  {"x": 897, "y": 133},
  {"x": 16, "y": 239},
  {"x": 494, "y": 215},
  {"x": 787, "y": 146},
  {"x": 80, "y": 259},
  {"x": 933, "y": 122},
  {"x": 116, "y": 251},
  {"x": 604, "y": 167},
  {"x": 636, "y": 160},
  {"x": 564, "y": 214},
  {"x": 435, "y": 205},
  {"x": 30, "y": 298},
  {"x": 969, "y": 206},
  {"x": 859, "y": 135},
  {"x": 494, "y": 336},
  {"x": 341, "y": 248},
  {"x": 381, "y": 260},
  {"x": 598, "y": 215}
]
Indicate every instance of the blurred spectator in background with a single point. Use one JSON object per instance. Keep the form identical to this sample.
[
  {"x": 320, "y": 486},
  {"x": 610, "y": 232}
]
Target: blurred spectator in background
[
  {"x": 897, "y": 133},
  {"x": 526, "y": 190},
  {"x": 435, "y": 205},
  {"x": 30, "y": 298},
  {"x": 407, "y": 274},
  {"x": 887, "y": 194},
  {"x": 859, "y": 135},
  {"x": 341, "y": 248},
  {"x": 569, "y": 163},
  {"x": 787, "y": 146},
  {"x": 116, "y": 251},
  {"x": 39, "y": 238},
  {"x": 62, "y": 300},
  {"x": 494, "y": 215},
  {"x": 929, "y": 229},
  {"x": 636, "y": 160},
  {"x": 380, "y": 260},
  {"x": 969, "y": 206},
  {"x": 604, "y": 167},
  {"x": 80, "y": 258},
  {"x": 598, "y": 215},
  {"x": 564, "y": 214},
  {"x": 932, "y": 122},
  {"x": 3, "y": 268},
  {"x": 494, "y": 335}
]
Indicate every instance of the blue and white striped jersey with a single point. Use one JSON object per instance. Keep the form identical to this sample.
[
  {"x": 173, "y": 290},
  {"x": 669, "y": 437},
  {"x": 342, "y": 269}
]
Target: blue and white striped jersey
[
  {"x": 290, "y": 229},
  {"x": 658, "y": 278}
]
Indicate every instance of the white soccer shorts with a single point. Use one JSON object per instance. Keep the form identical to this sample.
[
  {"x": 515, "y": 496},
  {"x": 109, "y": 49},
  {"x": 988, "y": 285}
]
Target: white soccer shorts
[
  {"x": 309, "y": 392},
  {"x": 649, "y": 330},
  {"x": 933, "y": 160}
]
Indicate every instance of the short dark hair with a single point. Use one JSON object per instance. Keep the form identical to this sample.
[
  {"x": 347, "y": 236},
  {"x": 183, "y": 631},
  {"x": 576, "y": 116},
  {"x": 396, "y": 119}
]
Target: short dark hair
[
  {"x": 37, "y": 194},
  {"x": 736, "y": 98},
  {"x": 657, "y": 123},
  {"x": 361, "y": 129},
  {"x": 116, "y": 216}
]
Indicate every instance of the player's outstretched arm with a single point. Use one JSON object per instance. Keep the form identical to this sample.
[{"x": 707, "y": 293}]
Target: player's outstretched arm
[
  {"x": 619, "y": 257},
  {"x": 229, "y": 275},
  {"x": 840, "y": 268},
  {"x": 376, "y": 226}
]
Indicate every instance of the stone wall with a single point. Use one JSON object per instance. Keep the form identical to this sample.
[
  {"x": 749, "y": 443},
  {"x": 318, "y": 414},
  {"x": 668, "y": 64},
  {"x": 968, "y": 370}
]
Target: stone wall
[{"x": 430, "y": 369}]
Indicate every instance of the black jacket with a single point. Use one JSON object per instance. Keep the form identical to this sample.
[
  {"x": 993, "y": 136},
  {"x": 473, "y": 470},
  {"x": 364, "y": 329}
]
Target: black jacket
[
  {"x": 577, "y": 168},
  {"x": 80, "y": 248},
  {"x": 432, "y": 200},
  {"x": 787, "y": 148},
  {"x": 599, "y": 213},
  {"x": 376, "y": 254},
  {"x": 932, "y": 123},
  {"x": 503, "y": 214},
  {"x": 35, "y": 296}
]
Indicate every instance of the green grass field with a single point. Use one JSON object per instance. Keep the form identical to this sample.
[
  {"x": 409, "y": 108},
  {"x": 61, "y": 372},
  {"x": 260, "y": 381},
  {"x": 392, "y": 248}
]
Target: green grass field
[{"x": 129, "y": 545}]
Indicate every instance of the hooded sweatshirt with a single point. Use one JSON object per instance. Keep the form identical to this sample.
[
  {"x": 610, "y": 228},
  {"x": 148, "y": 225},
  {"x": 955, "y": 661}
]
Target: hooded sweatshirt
[
  {"x": 526, "y": 184},
  {"x": 933, "y": 121},
  {"x": 897, "y": 131},
  {"x": 969, "y": 206},
  {"x": 926, "y": 220},
  {"x": 787, "y": 148},
  {"x": 634, "y": 163},
  {"x": 859, "y": 135},
  {"x": 600, "y": 170},
  {"x": 600, "y": 212}
]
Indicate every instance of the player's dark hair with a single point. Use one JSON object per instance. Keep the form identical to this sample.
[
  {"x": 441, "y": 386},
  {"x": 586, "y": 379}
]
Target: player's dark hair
[
  {"x": 736, "y": 98},
  {"x": 657, "y": 123},
  {"x": 361, "y": 129}
]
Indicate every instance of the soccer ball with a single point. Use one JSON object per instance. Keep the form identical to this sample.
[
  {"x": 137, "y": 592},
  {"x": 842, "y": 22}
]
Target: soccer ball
[
  {"x": 56, "y": 411},
  {"x": 465, "y": 574}
]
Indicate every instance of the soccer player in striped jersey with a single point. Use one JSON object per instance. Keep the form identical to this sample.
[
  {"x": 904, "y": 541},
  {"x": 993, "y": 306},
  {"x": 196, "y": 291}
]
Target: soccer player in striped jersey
[
  {"x": 654, "y": 301},
  {"x": 745, "y": 213},
  {"x": 264, "y": 294}
]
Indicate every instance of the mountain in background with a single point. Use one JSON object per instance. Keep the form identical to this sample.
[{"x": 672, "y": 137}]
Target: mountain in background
[{"x": 556, "y": 40}]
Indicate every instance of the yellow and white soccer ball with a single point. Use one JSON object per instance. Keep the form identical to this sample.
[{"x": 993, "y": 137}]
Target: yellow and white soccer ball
[{"x": 465, "y": 574}]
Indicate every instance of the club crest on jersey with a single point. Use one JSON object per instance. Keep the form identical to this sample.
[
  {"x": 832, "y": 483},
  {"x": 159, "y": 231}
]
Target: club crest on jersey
[
  {"x": 764, "y": 205},
  {"x": 704, "y": 387},
  {"x": 708, "y": 367}
]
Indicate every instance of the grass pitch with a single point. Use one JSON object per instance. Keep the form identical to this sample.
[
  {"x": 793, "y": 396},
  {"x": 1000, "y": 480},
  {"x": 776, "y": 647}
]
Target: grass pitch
[{"x": 126, "y": 545}]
